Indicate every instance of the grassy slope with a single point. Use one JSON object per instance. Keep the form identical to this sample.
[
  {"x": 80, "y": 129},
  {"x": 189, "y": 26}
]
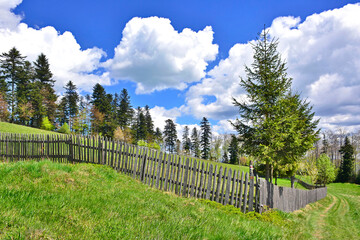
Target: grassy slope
[
  {"x": 15, "y": 128},
  {"x": 42, "y": 200},
  {"x": 48, "y": 200}
]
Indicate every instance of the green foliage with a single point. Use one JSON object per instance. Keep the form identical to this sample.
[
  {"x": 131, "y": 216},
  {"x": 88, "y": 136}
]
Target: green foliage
[
  {"x": 205, "y": 138},
  {"x": 65, "y": 129},
  {"x": 186, "y": 142},
  {"x": 347, "y": 163},
  {"x": 125, "y": 111},
  {"x": 154, "y": 145},
  {"x": 276, "y": 126},
  {"x": 46, "y": 124},
  {"x": 234, "y": 150},
  {"x": 326, "y": 170},
  {"x": 170, "y": 135},
  {"x": 195, "y": 143}
]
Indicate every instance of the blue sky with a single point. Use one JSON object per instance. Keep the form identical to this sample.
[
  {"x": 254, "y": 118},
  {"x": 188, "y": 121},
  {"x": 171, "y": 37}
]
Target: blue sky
[{"x": 319, "y": 40}]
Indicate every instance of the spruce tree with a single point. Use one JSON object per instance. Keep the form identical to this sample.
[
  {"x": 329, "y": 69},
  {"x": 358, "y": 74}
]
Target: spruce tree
[
  {"x": 158, "y": 135},
  {"x": 72, "y": 99},
  {"x": 186, "y": 142},
  {"x": 12, "y": 64},
  {"x": 24, "y": 89},
  {"x": 272, "y": 115},
  {"x": 195, "y": 143},
  {"x": 205, "y": 138},
  {"x": 170, "y": 136},
  {"x": 347, "y": 162},
  {"x": 125, "y": 112},
  {"x": 149, "y": 124},
  {"x": 234, "y": 150},
  {"x": 139, "y": 128}
]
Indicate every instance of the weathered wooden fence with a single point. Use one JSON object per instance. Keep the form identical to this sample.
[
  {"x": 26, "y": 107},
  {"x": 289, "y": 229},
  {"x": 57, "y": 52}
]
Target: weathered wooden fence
[
  {"x": 182, "y": 175},
  {"x": 288, "y": 199}
]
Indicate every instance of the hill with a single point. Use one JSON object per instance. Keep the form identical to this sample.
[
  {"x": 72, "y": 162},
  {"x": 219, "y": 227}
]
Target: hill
[
  {"x": 41, "y": 200},
  {"x": 15, "y": 128}
]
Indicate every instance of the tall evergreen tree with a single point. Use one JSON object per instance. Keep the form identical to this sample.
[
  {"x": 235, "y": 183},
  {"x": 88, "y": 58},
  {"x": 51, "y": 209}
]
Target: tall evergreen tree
[
  {"x": 170, "y": 136},
  {"x": 195, "y": 143},
  {"x": 205, "y": 138},
  {"x": 139, "y": 128},
  {"x": 186, "y": 142},
  {"x": 234, "y": 150},
  {"x": 72, "y": 99},
  {"x": 125, "y": 112},
  {"x": 12, "y": 64},
  {"x": 44, "y": 76},
  {"x": 149, "y": 124},
  {"x": 347, "y": 163},
  {"x": 24, "y": 89},
  {"x": 267, "y": 118},
  {"x": 158, "y": 135}
]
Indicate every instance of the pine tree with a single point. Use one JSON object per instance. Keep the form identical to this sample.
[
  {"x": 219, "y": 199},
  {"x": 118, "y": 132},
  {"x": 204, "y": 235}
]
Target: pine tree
[
  {"x": 267, "y": 120},
  {"x": 158, "y": 135},
  {"x": 186, "y": 142},
  {"x": 140, "y": 128},
  {"x": 234, "y": 150},
  {"x": 195, "y": 143},
  {"x": 12, "y": 64},
  {"x": 72, "y": 99},
  {"x": 170, "y": 136},
  {"x": 205, "y": 138},
  {"x": 125, "y": 112},
  {"x": 149, "y": 124},
  {"x": 44, "y": 75},
  {"x": 347, "y": 163}
]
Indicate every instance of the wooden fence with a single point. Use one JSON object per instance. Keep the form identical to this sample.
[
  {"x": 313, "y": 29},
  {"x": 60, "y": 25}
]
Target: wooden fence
[{"x": 184, "y": 176}]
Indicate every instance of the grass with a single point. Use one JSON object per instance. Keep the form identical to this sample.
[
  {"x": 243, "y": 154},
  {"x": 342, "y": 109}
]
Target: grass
[
  {"x": 15, "y": 128},
  {"x": 41, "y": 200}
]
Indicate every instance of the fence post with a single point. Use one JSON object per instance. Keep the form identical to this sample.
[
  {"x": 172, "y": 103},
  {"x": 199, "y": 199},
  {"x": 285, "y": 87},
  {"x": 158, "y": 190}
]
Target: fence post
[
  {"x": 142, "y": 173},
  {"x": 70, "y": 158}
]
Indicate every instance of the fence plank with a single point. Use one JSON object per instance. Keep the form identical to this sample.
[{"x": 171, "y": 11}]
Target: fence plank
[
  {"x": 177, "y": 190},
  {"x": 233, "y": 180},
  {"x": 227, "y": 192},
  {"x": 214, "y": 184},
  {"x": 193, "y": 185},
  {"x": 245, "y": 192},
  {"x": 241, "y": 191},
  {"x": 185, "y": 181},
  {"x": 218, "y": 185},
  {"x": 221, "y": 198},
  {"x": 251, "y": 194}
]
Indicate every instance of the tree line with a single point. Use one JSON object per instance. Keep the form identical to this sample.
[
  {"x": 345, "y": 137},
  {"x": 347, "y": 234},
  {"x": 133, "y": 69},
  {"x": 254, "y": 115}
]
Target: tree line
[{"x": 27, "y": 97}]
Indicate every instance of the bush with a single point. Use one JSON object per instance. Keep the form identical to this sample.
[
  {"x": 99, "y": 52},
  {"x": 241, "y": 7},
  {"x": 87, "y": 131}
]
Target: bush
[
  {"x": 65, "y": 129},
  {"x": 153, "y": 145},
  {"x": 326, "y": 170},
  {"x": 46, "y": 124}
]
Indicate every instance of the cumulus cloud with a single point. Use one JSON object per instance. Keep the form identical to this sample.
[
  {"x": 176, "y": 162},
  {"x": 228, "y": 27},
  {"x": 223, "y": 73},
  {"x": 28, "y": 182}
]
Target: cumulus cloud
[
  {"x": 156, "y": 56},
  {"x": 67, "y": 60},
  {"x": 322, "y": 53},
  {"x": 8, "y": 19}
]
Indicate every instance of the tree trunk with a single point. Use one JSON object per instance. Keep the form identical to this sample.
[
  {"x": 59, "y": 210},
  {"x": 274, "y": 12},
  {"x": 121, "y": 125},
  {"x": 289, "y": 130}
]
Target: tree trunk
[
  {"x": 267, "y": 171},
  {"x": 292, "y": 181}
]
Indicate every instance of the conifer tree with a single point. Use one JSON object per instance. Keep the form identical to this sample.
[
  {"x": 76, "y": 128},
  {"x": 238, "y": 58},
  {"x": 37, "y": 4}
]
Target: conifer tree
[
  {"x": 149, "y": 124},
  {"x": 186, "y": 142},
  {"x": 347, "y": 162},
  {"x": 205, "y": 138},
  {"x": 12, "y": 64},
  {"x": 170, "y": 136},
  {"x": 233, "y": 150},
  {"x": 272, "y": 115},
  {"x": 125, "y": 112},
  {"x": 139, "y": 128},
  {"x": 195, "y": 143},
  {"x": 158, "y": 135},
  {"x": 72, "y": 99}
]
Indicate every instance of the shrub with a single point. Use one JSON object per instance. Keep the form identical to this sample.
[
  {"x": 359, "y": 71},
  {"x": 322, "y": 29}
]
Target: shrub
[
  {"x": 65, "y": 129},
  {"x": 46, "y": 124},
  {"x": 326, "y": 170}
]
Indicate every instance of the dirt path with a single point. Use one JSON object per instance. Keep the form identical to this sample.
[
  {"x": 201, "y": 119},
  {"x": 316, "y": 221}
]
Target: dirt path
[{"x": 319, "y": 234}]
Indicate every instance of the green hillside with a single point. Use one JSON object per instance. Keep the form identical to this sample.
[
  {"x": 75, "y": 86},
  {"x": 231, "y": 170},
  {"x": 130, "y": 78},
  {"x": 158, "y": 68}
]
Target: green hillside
[
  {"x": 15, "y": 128},
  {"x": 45, "y": 200}
]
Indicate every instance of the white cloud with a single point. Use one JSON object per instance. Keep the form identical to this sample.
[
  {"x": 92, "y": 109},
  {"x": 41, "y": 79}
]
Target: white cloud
[
  {"x": 67, "y": 60},
  {"x": 8, "y": 19},
  {"x": 159, "y": 115},
  {"x": 155, "y": 56},
  {"x": 322, "y": 53}
]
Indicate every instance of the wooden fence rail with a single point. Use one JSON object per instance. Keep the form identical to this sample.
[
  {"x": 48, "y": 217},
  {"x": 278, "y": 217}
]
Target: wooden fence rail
[{"x": 184, "y": 176}]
